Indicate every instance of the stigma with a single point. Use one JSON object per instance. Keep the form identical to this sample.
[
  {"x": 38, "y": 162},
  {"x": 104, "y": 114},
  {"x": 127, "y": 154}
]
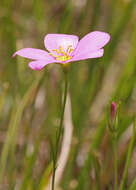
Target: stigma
[{"x": 61, "y": 55}]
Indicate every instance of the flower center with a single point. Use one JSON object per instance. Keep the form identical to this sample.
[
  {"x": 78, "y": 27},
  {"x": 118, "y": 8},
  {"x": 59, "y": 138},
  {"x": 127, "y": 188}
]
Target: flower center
[{"x": 61, "y": 55}]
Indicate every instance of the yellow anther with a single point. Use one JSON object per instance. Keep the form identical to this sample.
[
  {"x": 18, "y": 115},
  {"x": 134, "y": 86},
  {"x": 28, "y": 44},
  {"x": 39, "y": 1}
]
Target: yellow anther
[
  {"x": 71, "y": 49},
  {"x": 56, "y": 51},
  {"x": 69, "y": 46},
  {"x": 53, "y": 55},
  {"x": 61, "y": 51}
]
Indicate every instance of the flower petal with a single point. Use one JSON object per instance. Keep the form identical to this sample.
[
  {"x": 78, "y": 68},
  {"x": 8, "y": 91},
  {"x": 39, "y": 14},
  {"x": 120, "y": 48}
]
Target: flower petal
[
  {"x": 38, "y": 65},
  {"x": 53, "y": 41},
  {"x": 87, "y": 55},
  {"x": 91, "y": 42},
  {"x": 36, "y": 54}
]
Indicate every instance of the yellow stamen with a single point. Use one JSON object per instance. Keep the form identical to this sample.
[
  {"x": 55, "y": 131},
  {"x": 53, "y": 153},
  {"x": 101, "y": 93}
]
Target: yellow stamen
[
  {"x": 68, "y": 48},
  {"x": 61, "y": 50},
  {"x": 53, "y": 55},
  {"x": 71, "y": 49},
  {"x": 61, "y": 55},
  {"x": 56, "y": 51}
]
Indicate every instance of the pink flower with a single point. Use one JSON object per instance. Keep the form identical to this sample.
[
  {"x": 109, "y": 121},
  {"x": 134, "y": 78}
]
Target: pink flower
[
  {"x": 112, "y": 111},
  {"x": 65, "y": 48}
]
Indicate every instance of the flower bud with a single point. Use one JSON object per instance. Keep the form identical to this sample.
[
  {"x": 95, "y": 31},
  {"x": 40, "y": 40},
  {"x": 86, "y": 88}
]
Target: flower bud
[{"x": 112, "y": 111}]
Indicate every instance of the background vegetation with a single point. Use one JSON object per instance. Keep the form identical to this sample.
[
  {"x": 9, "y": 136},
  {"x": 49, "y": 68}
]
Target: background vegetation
[{"x": 30, "y": 101}]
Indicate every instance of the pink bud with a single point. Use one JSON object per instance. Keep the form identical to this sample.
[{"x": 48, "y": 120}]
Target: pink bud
[{"x": 112, "y": 111}]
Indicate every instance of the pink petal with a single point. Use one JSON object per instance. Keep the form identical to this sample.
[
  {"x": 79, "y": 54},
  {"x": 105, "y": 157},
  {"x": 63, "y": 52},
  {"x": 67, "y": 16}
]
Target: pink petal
[
  {"x": 53, "y": 41},
  {"x": 32, "y": 53},
  {"x": 38, "y": 65},
  {"x": 91, "y": 42},
  {"x": 87, "y": 55}
]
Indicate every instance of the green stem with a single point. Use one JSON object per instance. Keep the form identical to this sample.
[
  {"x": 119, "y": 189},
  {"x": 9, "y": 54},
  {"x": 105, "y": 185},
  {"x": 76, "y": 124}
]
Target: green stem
[
  {"x": 58, "y": 135},
  {"x": 130, "y": 148},
  {"x": 114, "y": 144}
]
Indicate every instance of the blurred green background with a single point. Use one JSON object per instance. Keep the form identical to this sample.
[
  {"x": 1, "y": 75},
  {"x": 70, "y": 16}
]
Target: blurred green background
[{"x": 30, "y": 101}]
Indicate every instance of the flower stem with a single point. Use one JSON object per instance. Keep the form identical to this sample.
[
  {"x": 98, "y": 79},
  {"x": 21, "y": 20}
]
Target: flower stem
[
  {"x": 130, "y": 148},
  {"x": 59, "y": 132},
  {"x": 114, "y": 145}
]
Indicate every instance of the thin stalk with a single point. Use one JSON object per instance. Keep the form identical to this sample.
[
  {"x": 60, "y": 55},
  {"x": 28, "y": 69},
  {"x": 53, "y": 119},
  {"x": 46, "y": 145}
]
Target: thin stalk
[
  {"x": 58, "y": 135},
  {"x": 130, "y": 148},
  {"x": 114, "y": 145}
]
